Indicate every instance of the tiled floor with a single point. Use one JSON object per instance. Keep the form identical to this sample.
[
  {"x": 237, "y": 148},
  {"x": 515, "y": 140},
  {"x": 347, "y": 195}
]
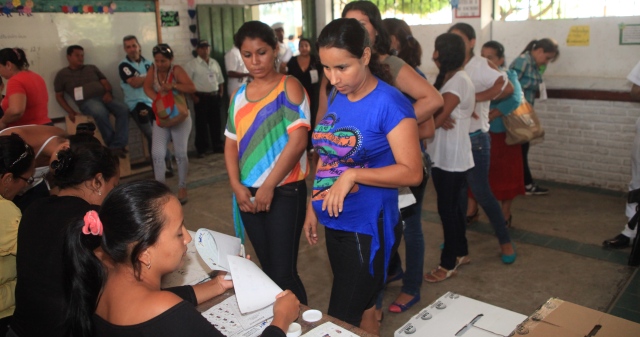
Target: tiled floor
[{"x": 557, "y": 238}]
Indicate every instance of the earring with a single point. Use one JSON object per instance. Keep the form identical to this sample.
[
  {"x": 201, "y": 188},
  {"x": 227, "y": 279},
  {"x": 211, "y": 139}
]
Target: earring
[
  {"x": 149, "y": 265},
  {"x": 99, "y": 192}
]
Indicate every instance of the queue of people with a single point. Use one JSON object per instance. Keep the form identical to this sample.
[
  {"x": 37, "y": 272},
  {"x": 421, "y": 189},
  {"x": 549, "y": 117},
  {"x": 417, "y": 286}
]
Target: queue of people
[{"x": 379, "y": 130}]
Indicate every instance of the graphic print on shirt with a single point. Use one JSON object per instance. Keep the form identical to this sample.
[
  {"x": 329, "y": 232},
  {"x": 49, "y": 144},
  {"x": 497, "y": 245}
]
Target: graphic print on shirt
[{"x": 337, "y": 149}]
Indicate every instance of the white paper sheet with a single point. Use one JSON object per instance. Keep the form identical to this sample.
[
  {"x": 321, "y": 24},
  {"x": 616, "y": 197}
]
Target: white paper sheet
[
  {"x": 329, "y": 329},
  {"x": 254, "y": 289},
  {"x": 214, "y": 247},
  {"x": 192, "y": 271},
  {"x": 226, "y": 317}
]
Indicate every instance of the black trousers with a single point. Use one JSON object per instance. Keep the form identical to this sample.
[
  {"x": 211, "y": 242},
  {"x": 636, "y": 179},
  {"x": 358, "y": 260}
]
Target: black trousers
[
  {"x": 354, "y": 289},
  {"x": 208, "y": 124},
  {"x": 275, "y": 235}
]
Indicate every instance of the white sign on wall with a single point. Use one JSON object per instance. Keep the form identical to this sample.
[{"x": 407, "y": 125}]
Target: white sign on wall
[{"x": 468, "y": 9}]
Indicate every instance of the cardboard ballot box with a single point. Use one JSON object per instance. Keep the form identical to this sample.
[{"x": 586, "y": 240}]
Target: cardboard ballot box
[
  {"x": 453, "y": 315},
  {"x": 559, "y": 318}
]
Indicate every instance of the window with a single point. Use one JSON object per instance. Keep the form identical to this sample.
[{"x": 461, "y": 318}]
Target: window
[
  {"x": 520, "y": 10},
  {"x": 414, "y": 12}
]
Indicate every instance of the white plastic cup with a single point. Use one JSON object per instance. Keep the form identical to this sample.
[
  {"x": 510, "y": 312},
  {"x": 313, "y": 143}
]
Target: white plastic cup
[
  {"x": 312, "y": 315},
  {"x": 294, "y": 330}
]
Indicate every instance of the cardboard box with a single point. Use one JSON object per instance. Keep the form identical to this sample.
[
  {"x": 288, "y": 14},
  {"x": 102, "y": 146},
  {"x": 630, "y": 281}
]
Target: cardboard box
[
  {"x": 560, "y": 318},
  {"x": 453, "y": 315}
]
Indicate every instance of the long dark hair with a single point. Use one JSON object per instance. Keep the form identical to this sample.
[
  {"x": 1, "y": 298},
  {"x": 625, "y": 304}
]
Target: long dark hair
[
  {"x": 451, "y": 55},
  {"x": 132, "y": 220},
  {"x": 465, "y": 29},
  {"x": 255, "y": 30},
  {"x": 16, "y": 156},
  {"x": 15, "y": 56},
  {"x": 382, "y": 44},
  {"x": 348, "y": 34},
  {"x": 82, "y": 161},
  {"x": 410, "y": 50},
  {"x": 548, "y": 46}
]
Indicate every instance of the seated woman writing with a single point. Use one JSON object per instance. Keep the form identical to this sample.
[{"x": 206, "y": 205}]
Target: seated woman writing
[{"x": 117, "y": 257}]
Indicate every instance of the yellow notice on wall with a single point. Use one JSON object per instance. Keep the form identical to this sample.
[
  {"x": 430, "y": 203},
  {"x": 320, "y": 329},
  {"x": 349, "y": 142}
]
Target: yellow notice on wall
[{"x": 578, "y": 36}]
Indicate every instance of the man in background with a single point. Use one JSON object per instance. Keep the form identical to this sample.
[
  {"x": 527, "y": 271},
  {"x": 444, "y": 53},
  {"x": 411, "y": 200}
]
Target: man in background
[
  {"x": 207, "y": 76},
  {"x": 92, "y": 94},
  {"x": 236, "y": 70},
  {"x": 284, "y": 53},
  {"x": 623, "y": 239}
]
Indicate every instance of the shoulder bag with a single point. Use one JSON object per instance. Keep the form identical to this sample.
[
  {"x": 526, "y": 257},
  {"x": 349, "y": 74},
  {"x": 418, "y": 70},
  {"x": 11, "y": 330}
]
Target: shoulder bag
[
  {"x": 522, "y": 125},
  {"x": 170, "y": 108}
]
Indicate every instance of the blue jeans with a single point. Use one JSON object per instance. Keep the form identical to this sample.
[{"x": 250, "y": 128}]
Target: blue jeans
[
  {"x": 100, "y": 110},
  {"x": 478, "y": 180}
]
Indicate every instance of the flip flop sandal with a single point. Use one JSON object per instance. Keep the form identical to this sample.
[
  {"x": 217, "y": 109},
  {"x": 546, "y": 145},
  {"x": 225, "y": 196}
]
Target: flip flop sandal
[
  {"x": 397, "y": 308},
  {"x": 432, "y": 277}
]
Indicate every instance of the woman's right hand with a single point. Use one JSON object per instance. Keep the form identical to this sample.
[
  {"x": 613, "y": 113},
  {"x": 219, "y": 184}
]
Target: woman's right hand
[
  {"x": 310, "y": 227},
  {"x": 285, "y": 310},
  {"x": 243, "y": 197}
]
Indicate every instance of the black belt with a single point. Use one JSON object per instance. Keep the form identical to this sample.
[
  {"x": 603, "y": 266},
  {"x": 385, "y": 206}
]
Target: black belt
[{"x": 213, "y": 93}]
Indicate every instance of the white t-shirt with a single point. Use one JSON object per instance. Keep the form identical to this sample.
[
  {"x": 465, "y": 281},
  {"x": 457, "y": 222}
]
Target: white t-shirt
[
  {"x": 483, "y": 78},
  {"x": 634, "y": 75},
  {"x": 450, "y": 150},
  {"x": 233, "y": 62}
]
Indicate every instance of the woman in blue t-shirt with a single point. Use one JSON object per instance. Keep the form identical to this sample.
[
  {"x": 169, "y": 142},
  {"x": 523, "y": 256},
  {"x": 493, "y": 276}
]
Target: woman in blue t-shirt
[{"x": 367, "y": 144}]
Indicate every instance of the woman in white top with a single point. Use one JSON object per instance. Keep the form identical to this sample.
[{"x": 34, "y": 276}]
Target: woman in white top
[
  {"x": 450, "y": 151},
  {"x": 490, "y": 84}
]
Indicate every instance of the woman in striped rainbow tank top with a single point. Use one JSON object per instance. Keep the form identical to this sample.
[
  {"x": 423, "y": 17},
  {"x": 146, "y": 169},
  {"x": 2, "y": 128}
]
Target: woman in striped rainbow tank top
[{"x": 265, "y": 155}]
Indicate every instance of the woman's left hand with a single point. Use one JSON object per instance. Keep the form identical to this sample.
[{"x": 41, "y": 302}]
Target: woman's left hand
[
  {"x": 166, "y": 87},
  {"x": 334, "y": 200},
  {"x": 223, "y": 284},
  {"x": 264, "y": 196}
]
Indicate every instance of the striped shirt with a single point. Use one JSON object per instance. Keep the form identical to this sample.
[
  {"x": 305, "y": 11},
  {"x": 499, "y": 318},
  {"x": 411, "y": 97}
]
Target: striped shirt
[{"x": 261, "y": 129}]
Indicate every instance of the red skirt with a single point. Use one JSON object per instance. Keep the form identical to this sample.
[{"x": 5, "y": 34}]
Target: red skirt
[{"x": 506, "y": 173}]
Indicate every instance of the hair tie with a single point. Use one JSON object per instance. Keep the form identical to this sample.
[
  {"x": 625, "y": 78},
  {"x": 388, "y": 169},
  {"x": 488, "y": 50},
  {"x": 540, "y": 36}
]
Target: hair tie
[
  {"x": 17, "y": 54},
  {"x": 63, "y": 162},
  {"x": 92, "y": 224},
  {"x": 409, "y": 37}
]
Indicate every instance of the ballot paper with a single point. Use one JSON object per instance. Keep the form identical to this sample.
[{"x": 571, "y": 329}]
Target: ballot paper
[
  {"x": 214, "y": 248},
  {"x": 254, "y": 289},
  {"x": 226, "y": 317},
  {"x": 329, "y": 329}
]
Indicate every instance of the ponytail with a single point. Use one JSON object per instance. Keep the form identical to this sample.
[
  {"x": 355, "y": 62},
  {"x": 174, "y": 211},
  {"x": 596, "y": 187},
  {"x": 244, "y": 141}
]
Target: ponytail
[
  {"x": 548, "y": 45},
  {"x": 410, "y": 50},
  {"x": 451, "y": 55},
  {"x": 84, "y": 276},
  {"x": 379, "y": 69},
  {"x": 529, "y": 48}
]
